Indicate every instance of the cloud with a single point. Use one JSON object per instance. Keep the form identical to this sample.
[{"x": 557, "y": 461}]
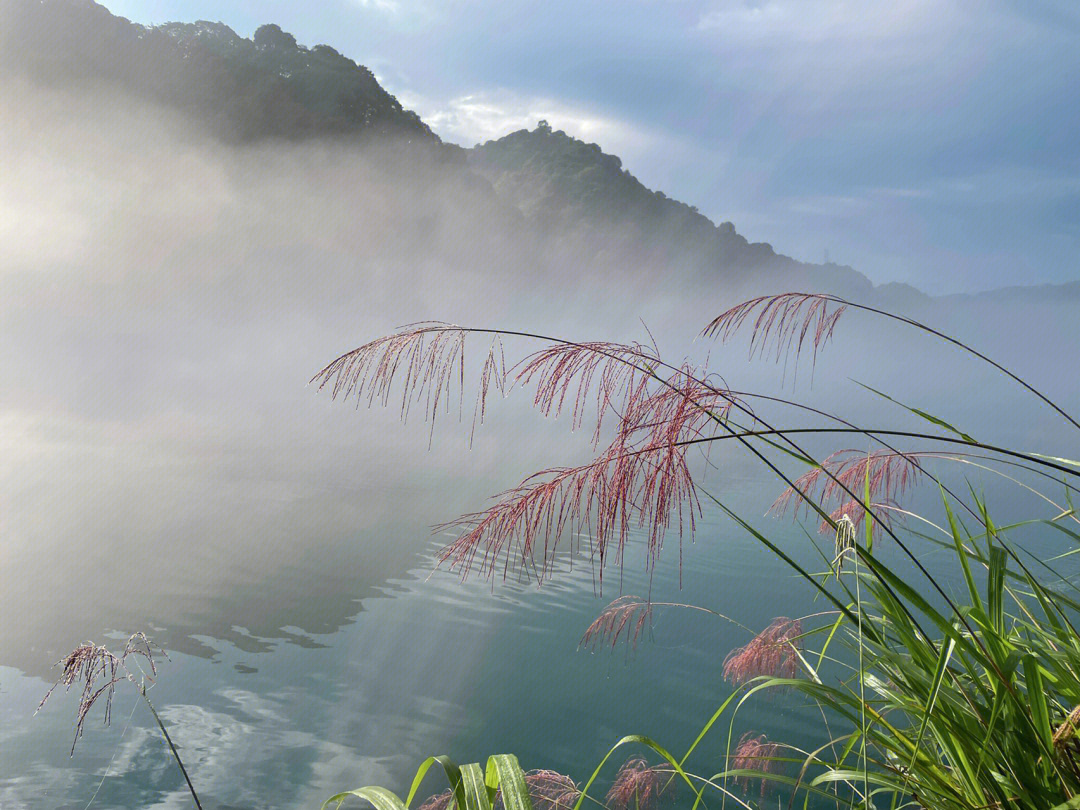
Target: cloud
[
  {"x": 390, "y": 6},
  {"x": 486, "y": 115}
]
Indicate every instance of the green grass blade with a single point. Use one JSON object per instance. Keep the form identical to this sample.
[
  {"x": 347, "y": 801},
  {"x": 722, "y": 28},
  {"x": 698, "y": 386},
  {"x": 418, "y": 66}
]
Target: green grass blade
[
  {"x": 928, "y": 417},
  {"x": 961, "y": 555},
  {"x": 1068, "y": 461},
  {"x": 1036, "y": 695},
  {"x": 995, "y": 586},
  {"x": 828, "y": 639},
  {"x": 380, "y": 798},
  {"x": 477, "y": 796},
  {"x": 505, "y": 774},
  {"x": 935, "y": 687},
  {"x": 453, "y": 776}
]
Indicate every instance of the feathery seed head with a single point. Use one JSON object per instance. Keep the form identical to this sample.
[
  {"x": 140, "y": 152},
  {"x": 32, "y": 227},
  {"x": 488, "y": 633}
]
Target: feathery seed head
[
  {"x": 641, "y": 480},
  {"x": 889, "y": 475},
  {"x": 551, "y": 790},
  {"x": 755, "y": 753},
  {"x": 771, "y": 653},
  {"x": 786, "y": 321},
  {"x": 639, "y": 786},
  {"x": 99, "y": 670},
  {"x": 626, "y": 617}
]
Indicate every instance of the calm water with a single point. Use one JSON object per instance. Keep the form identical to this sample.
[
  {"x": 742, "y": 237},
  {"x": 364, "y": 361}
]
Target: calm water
[
  {"x": 281, "y": 554},
  {"x": 426, "y": 665},
  {"x": 419, "y": 664}
]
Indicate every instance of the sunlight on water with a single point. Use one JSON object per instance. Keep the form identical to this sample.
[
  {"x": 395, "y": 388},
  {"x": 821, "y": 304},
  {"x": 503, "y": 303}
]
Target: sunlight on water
[{"x": 431, "y": 665}]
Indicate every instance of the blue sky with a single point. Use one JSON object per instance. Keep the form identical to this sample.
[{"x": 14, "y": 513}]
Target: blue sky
[{"x": 933, "y": 143}]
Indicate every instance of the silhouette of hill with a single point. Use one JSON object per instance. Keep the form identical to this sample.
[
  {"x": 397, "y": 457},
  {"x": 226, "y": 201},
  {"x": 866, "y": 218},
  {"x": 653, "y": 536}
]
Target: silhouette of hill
[
  {"x": 244, "y": 89},
  {"x": 583, "y": 199},
  {"x": 557, "y": 195}
]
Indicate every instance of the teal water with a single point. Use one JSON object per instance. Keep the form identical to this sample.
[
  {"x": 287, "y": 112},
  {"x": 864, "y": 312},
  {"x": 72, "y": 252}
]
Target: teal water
[
  {"x": 427, "y": 665},
  {"x": 278, "y": 546}
]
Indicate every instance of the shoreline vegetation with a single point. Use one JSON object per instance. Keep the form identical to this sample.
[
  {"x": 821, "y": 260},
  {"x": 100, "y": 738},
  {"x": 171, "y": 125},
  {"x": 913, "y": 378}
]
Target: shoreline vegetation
[
  {"x": 929, "y": 695},
  {"x": 927, "y": 699}
]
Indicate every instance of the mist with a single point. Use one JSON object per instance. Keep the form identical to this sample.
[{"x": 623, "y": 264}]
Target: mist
[
  {"x": 165, "y": 296},
  {"x": 164, "y": 300},
  {"x": 181, "y": 252}
]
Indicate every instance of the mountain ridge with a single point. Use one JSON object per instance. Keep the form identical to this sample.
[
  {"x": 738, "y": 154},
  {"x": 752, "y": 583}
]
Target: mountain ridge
[
  {"x": 242, "y": 89},
  {"x": 573, "y": 189},
  {"x": 579, "y": 200}
]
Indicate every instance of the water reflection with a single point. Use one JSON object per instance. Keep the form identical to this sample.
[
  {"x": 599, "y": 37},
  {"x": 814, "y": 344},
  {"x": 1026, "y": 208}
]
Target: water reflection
[{"x": 432, "y": 665}]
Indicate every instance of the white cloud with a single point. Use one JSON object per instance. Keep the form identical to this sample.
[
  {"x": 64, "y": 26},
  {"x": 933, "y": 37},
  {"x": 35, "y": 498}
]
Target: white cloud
[
  {"x": 478, "y": 117},
  {"x": 389, "y": 6},
  {"x": 218, "y": 745}
]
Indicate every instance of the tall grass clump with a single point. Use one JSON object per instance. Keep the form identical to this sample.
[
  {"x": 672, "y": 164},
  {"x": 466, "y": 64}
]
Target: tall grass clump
[{"x": 929, "y": 695}]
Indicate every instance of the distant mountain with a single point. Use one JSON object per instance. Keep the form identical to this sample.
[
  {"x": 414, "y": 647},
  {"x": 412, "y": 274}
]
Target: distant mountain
[
  {"x": 245, "y": 89},
  {"x": 1068, "y": 293},
  {"x": 565, "y": 185},
  {"x": 552, "y": 194},
  {"x": 575, "y": 193}
]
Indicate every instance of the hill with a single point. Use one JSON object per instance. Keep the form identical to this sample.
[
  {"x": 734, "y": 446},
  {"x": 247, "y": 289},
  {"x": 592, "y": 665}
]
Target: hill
[
  {"x": 243, "y": 89},
  {"x": 549, "y": 193},
  {"x": 582, "y": 198}
]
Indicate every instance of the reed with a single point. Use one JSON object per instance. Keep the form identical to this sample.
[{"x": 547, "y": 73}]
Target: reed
[
  {"x": 99, "y": 670},
  {"x": 927, "y": 699}
]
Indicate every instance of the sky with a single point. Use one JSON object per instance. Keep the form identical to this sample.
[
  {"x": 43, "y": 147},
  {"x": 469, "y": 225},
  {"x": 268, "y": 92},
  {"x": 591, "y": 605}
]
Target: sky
[{"x": 935, "y": 144}]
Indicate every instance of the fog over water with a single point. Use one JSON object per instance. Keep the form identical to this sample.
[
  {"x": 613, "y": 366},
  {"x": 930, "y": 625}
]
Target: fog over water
[
  {"x": 166, "y": 297},
  {"x": 165, "y": 466}
]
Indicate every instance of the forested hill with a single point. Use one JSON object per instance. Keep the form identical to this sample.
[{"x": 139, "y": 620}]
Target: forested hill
[
  {"x": 244, "y": 89},
  {"x": 577, "y": 194},
  {"x": 564, "y": 184},
  {"x": 550, "y": 194}
]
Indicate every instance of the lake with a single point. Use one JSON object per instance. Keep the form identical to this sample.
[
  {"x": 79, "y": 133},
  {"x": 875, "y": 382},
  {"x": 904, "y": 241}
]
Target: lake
[
  {"x": 335, "y": 665},
  {"x": 372, "y": 668}
]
